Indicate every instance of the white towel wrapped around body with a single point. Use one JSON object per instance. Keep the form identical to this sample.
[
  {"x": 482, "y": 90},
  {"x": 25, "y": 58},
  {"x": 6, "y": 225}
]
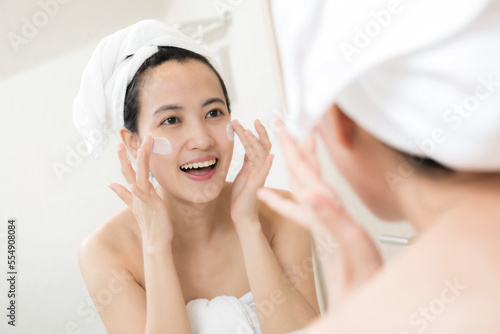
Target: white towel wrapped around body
[
  {"x": 224, "y": 315},
  {"x": 421, "y": 76}
]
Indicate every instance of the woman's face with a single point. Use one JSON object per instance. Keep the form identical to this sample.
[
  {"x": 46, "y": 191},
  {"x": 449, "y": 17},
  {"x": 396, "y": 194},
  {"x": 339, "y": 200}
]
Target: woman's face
[
  {"x": 184, "y": 103},
  {"x": 363, "y": 161}
]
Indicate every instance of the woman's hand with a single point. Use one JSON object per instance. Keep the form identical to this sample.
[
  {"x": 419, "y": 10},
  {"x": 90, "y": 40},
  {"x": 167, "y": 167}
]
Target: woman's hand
[
  {"x": 147, "y": 206},
  {"x": 318, "y": 208},
  {"x": 252, "y": 176}
]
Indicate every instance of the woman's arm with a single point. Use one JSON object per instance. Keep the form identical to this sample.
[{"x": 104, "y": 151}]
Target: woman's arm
[
  {"x": 165, "y": 308},
  {"x": 118, "y": 298},
  {"x": 281, "y": 306},
  {"x": 281, "y": 277},
  {"x": 317, "y": 207},
  {"x": 123, "y": 304}
]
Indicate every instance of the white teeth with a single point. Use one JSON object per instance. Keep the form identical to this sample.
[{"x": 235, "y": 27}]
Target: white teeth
[{"x": 199, "y": 164}]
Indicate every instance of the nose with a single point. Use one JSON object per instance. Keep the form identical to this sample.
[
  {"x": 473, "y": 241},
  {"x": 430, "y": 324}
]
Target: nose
[{"x": 199, "y": 137}]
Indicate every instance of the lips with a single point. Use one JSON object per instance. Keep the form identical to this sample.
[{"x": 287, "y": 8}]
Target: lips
[
  {"x": 200, "y": 169},
  {"x": 200, "y": 159},
  {"x": 198, "y": 165}
]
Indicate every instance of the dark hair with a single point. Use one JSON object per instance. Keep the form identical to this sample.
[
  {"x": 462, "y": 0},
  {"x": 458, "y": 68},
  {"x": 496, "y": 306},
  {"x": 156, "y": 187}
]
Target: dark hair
[
  {"x": 164, "y": 54},
  {"x": 426, "y": 166}
]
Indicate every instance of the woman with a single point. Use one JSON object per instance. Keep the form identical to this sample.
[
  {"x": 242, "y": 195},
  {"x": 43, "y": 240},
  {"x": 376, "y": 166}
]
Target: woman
[
  {"x": 188, "y": 249},
  {"x": 414, "y": 126}
]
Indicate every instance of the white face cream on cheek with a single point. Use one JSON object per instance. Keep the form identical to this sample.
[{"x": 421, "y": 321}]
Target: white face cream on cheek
[
  {"x": 230, "y": 131},
  {"x": 162, "y": 146}
]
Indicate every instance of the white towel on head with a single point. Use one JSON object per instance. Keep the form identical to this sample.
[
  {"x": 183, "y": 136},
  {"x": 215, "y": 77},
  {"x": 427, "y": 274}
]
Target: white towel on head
[
  {"x": 98, "y": 106},
  {"x": 422, "y": 76}
]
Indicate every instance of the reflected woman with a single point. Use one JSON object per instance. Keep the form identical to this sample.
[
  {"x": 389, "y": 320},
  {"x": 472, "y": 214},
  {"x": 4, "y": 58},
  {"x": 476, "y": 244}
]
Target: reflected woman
[{"x": 201, "y": 255}]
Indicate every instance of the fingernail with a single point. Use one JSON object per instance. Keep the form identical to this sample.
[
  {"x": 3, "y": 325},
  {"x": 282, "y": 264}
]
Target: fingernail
[{"x": 139, "y": 153}]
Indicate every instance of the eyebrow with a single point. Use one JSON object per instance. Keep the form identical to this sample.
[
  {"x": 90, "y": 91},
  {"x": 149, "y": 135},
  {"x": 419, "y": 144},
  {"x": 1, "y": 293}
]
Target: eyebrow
[{"x": 168, "y": 107}]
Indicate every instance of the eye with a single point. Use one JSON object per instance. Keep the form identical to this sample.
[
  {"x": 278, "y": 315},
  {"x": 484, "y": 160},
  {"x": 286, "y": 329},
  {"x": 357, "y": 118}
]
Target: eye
[
  {"x": 171, "y": 120},
  {"x": 214, "y": 113}
]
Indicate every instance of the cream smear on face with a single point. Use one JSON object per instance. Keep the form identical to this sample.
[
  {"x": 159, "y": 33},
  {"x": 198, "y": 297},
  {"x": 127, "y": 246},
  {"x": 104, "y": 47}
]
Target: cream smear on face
[
  {"x": 162, "y": 146},
  {"x": 230, "y": 131}
]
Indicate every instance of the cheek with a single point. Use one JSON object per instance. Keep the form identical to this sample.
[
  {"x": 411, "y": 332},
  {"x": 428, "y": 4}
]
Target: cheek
[
  {"x": 226, "y": 146},
  {"x": 225, "y": 143},
  {"x": 164, "y": 154},
  {"x": 162, "y": 146},
  {"x": 223, "y": 134},
  {"x": 228, "y": 136},
  {"x": 230, "y": 131},
  {"x": 167, "y": 146},
  {"x": 331, "y": 146}
]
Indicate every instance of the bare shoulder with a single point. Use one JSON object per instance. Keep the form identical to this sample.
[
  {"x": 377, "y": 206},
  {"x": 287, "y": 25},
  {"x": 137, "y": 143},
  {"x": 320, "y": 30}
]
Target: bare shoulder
[
  {"x": 445, "y": 282},
  {"x": 113, "y": 232},
  {"x": 106, "y": 259},
  {"x": 110, "y": 242},
  {"x": 291, "y": 245},
  {"x": 278, "y": 225},
  {"x": 267, "y": 213}
]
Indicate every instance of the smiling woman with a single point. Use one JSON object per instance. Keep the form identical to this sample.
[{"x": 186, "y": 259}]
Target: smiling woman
[
  {"x": 202, "y": 255},
  {"x": 183, "y": 100}
]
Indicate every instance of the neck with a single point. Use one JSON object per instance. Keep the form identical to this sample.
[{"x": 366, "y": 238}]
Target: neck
[
  {"x": 426, "y": 202},
  {"x": 195, "y": 224}
]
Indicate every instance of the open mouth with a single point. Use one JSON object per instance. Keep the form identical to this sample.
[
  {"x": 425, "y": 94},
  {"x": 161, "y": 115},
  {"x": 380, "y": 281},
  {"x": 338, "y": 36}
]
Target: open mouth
[{"x": 199, "y": 168}]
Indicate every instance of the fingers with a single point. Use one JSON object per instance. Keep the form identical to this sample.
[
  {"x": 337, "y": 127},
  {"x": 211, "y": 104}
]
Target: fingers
[
  {"x": 285, "y": 207},
  {"x": 299, "y": 169},
  {"x": 330, "y": 213},
  {"x": 263, "y": 136},
  {"x": 137, "y": 191},
  {"x": 309, "y": 152},
  {"x": 257, "y": 148},
  {"x": 268, "y": 162},
  {"x": 143, "y": 157},
  {"x": 240, "y": 132},
  {"x": 130, "y": 175},
  {"x": 123, "y": 193},
  {"x": 126, "y": 196},
  {"x": 360, "y": 256},
  {"x": 126, "y": 168},
  {"x": 260, "y": 175}
]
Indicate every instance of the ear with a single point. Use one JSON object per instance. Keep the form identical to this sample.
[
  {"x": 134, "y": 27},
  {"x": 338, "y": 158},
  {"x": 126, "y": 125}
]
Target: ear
[
  {"x": 131, "y": 141},
  {"x": 336, "y": 125}
]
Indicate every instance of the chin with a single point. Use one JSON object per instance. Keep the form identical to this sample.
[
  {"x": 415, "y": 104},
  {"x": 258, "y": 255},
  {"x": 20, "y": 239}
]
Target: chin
[
  {"x": 387, "y": 212},
  {"x": 390, "y": 217},
  {"x": 206, "y": 194},
  {"x": 206, "y": 191}
]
